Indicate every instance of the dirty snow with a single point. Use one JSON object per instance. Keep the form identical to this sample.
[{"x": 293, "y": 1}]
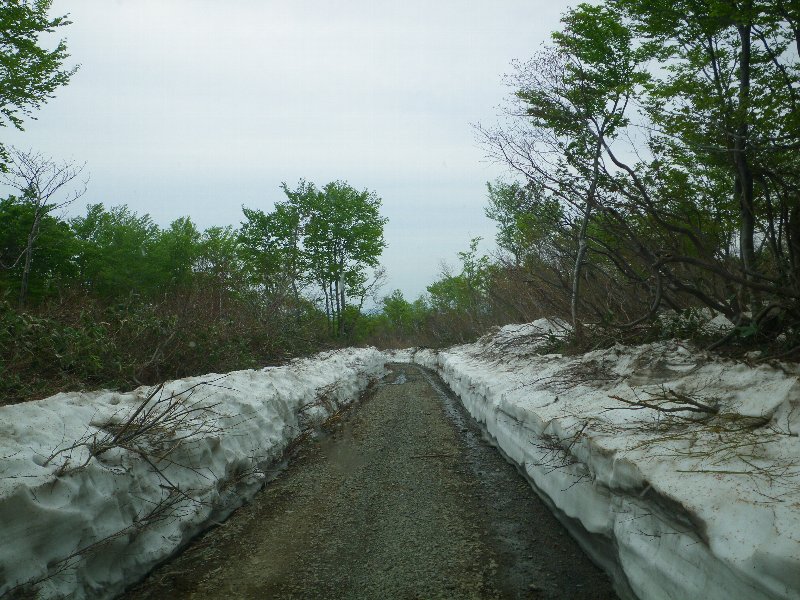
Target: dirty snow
[
  {"x": 674, "y": 504},
  {"x": 82, "y": 524}
]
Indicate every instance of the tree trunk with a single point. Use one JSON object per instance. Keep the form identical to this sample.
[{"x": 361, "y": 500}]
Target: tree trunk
[
  {"x": 327, "y": 305},
  {"x": 340, "y": 283},
  {"x": 221, "y": 291},
  {"x": 26, "y": 270},
  {"x": 337, "y": 313},
  {"x": 582, "y": 246},
  {"x": 744, "y": 175},
  {"x": 576, "y": 271},
  {"x": 793, "y": 238}
]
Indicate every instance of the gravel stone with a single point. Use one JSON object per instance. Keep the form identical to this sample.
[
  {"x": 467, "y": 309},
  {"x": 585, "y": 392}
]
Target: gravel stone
[{"x": 403, "y": 499}]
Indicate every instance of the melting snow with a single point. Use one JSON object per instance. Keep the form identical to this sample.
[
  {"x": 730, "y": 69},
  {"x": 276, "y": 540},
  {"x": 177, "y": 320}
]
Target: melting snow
[
  {"x": 85, "y": 520},
  {"x": 674, "y": 504},
  {"x": 675, "y": 507}
]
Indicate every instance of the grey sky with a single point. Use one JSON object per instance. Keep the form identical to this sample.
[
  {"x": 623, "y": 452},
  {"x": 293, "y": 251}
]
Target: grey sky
[{"x": 195, "y": 107}]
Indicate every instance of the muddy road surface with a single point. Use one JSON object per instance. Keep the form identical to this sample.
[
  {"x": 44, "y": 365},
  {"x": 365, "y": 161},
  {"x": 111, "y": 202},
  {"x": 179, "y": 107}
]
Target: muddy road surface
[{"x": 403, "y": 499}]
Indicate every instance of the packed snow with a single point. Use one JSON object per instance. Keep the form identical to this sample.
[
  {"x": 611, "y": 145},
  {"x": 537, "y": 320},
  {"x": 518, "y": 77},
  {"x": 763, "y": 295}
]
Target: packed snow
[
  {"x": 96, "y": 488},
  {"x": 700, "y": 499},
  {"x": 677, "y": 471}
]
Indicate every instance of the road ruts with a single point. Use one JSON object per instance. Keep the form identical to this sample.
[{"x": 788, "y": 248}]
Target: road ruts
[{"x": 403, "y": 500}]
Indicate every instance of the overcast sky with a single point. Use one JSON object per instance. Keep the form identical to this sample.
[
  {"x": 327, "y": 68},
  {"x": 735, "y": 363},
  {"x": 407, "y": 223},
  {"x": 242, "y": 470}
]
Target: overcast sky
[{"x": 195, "y": 107}]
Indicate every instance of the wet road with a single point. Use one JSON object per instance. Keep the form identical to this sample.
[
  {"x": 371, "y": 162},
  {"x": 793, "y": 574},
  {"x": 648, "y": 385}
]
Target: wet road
[{"x": 404, "y": 499}]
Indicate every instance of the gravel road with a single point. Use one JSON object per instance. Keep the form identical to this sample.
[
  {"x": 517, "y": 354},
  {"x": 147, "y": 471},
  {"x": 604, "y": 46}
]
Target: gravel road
[{"x": 404, "y": 499}]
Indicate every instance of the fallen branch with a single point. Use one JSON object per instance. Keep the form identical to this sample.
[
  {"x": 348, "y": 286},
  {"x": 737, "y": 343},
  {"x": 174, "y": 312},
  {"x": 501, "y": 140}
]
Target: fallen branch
[{"x": 688, "y": 404}]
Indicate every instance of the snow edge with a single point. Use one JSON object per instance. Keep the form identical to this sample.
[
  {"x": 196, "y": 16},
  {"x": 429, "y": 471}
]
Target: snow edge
[
  {"x": 617, "y": 510},
  {"x": 84, "y": 533}
]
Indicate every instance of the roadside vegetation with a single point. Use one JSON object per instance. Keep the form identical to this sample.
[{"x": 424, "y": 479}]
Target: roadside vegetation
[
  {"x": 653, "y": 149},
  {"x": 653, "y": 153},
  {"x": 656, "y": 149},
  {"x": 112, "y": 299}
]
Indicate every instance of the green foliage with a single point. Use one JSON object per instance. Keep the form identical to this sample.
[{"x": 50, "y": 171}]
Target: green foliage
[
  {"x": 529, "y": 221},
  {"x": 398, "y": 323},
  {"x": 272, "y": 245},
  {"x": 402, "y": 315},
  {"x": 54, "y": 265},
  {"x": 581, "y": 86},
  {"x": 467, "y": 290},
  {"x": 507, "y": 203},
  {"x": 40, "y": 353},
  {"x": 117, "y": 301},
  {"x": 726, "y": 111},
  {"x": 82, "y": 344},
  {"x": 29, "y": 73},
  {"x": 343, "y": 233},
  {"x": 329, "y": 237},
  {"x": 119, "y": 252},
  {"x": 178, "y": 250},
  {"x": 220, "y": 267},
  {"x": 665, "y": 135}
]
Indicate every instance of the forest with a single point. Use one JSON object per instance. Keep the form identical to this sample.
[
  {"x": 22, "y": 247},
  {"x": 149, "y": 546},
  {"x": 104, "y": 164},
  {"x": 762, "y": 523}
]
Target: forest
[{"x": 653, "y": 177}]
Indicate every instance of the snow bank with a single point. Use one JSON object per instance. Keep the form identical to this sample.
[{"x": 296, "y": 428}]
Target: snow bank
[
  {"x": 673, "y": 507},
  {"x": 84, "y": 520}
]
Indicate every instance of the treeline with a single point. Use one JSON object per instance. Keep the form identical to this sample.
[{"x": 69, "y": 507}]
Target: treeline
[
  {"x": 656, "y": 151},
  {"x": 109, "y": 298},
  {"x": 462, "y": 304},
  {"x": 657, "y": 147},
  {"x": 458, "y": 307}
]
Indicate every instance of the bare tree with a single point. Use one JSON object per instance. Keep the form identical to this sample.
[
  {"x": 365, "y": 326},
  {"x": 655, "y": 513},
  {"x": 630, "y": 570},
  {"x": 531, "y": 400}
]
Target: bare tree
[{"x": 46, "y": 185}]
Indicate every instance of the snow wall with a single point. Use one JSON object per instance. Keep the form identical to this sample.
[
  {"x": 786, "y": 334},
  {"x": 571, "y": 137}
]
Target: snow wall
[
  {"x": 671, "y": 508},
  {"x": 91, "y": 498}
]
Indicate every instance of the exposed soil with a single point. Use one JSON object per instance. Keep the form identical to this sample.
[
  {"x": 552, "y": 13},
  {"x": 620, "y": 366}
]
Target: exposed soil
[{"x": 403, "y": 500}]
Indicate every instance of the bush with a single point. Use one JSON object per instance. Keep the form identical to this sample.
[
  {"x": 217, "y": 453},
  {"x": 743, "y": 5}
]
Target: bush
[{"x": 78, "y": 343}]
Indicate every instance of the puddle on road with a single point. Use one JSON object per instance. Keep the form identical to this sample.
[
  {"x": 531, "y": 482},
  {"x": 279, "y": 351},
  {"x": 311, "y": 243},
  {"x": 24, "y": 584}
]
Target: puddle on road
[
  {"x": 514, "y": 505},
  {"x": 400, "y": 379}
]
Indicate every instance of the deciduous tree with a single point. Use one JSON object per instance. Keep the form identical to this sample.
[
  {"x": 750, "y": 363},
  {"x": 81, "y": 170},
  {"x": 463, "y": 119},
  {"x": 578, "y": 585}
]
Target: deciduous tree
[
  {"x": 331, "y": 237},
  {"x": 29, "y": 72},
  {"x": 45, "y": 185}
]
